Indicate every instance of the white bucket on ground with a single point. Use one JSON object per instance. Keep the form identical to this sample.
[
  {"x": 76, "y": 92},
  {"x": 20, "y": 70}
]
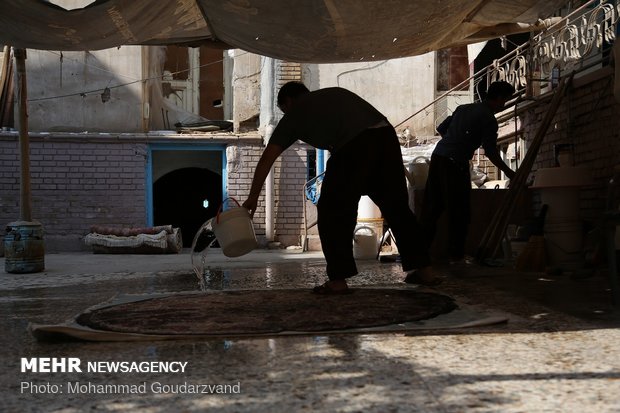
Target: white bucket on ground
[
  {"x": 235, "y": 232},
  {"x": 377, "y": 226},
  {"x": 564, "y": 244},
  {"x": 364, "y": 243}
]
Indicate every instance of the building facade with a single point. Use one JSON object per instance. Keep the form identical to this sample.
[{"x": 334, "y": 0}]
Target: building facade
[
  {"x": 108, "y": 146},
  {"x": 116, "y": 138}
]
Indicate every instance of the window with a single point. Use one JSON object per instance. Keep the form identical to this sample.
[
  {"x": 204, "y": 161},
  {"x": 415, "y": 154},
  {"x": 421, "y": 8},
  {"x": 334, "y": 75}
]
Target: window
[{"x": 452, "y": 67}]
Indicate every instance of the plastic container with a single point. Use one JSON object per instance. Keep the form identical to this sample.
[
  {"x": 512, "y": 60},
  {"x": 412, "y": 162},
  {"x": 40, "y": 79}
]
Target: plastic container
[
  {"x": 23, "y": 248},
  {"x": 564, "y": 244},
  {"x": 419, "y": 170},
  {"x": 364, "y": 244},
  {"x": 234, "y": 231},
  {"x": 366, "y": 209}
]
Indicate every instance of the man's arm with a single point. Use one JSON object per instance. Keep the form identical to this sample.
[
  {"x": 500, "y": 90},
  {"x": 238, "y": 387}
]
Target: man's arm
[
  {"x": 489, "y": 143},
  {"x": 269, "y": 156},
  {"x": 494, "y": 157}
]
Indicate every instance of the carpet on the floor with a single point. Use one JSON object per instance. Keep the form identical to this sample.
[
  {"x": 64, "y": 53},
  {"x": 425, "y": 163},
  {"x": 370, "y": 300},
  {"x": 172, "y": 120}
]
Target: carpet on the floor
[{"x": 253, "y": 313}]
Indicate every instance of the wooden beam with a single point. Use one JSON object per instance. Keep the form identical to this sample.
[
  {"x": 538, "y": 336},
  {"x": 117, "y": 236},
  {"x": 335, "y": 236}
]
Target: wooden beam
[
  {"x": 25, "y": 206},
  {"x": 491, "y": 241}
]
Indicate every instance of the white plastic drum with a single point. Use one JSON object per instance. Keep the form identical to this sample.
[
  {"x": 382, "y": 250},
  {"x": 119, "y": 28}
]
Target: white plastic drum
[{"x": 366, "y": 209}]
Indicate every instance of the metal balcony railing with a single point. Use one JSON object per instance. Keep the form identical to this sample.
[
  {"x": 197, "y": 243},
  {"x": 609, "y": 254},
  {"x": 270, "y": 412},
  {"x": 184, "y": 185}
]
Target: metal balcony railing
[{"x": 576, "y": 43}]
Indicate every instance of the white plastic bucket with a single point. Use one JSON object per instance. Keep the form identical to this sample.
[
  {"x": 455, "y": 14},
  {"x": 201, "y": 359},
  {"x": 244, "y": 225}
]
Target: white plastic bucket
[
  {"x": 564, "y": 244},
  {"x": 419, "y": 170},
  {"x": 364, "y": 244},
  {"x": 234, "y": 231}
]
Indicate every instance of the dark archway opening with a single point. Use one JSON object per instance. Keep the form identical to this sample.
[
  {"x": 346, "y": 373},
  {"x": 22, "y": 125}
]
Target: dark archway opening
[{"x": 186, "y": 198}]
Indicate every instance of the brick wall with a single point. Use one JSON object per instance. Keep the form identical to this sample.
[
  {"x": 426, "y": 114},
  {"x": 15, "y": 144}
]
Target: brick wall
[
  {"x": 289, "y": 71},
  {"x": 588, "y": 118},
  {"x": 80, "y": 182},
  {"x": 289, "y": 178},
  {"x": 290, "y": 173},
  {"x": 75, "y": 184},
  {"x": 241, "y": 162}
]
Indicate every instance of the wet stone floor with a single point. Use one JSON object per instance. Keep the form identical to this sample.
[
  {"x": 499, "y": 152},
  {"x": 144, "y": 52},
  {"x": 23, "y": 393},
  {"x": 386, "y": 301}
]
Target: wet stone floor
[{"x": 559, "y": 351}]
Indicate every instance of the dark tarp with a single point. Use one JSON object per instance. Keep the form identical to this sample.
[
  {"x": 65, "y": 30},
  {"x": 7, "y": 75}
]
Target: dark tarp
[{"x": 304, "y": 31}]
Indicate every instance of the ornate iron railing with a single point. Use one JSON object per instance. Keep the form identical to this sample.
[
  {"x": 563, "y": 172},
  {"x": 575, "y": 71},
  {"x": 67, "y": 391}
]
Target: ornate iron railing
[{"x": 577, "y": 42}]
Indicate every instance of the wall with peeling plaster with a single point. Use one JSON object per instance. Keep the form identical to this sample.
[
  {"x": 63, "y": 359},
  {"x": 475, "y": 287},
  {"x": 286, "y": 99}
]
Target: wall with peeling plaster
[
  {"x": 64, "y": 91},
  {"x": 396, "y": 87}
]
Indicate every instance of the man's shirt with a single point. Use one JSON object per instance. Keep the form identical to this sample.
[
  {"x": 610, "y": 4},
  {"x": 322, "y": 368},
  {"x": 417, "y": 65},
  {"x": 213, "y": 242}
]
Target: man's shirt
[
  {"x": 470, "y": 126},
  {"x": 326, "y": 119}
]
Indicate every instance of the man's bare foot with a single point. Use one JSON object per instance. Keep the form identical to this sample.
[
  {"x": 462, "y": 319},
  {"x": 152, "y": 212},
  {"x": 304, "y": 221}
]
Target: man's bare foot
[
  {"x": 333, "y": 287},
  {"x": 423, "y": 276}
]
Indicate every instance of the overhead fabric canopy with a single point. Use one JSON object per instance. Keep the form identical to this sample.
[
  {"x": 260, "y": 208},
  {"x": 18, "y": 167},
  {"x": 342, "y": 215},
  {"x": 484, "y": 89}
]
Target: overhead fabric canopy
[{"x": 319, "y": 31}]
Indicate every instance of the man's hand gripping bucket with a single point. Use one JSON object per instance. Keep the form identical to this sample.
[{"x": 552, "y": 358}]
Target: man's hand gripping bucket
[{"x": 234, "y": 230}]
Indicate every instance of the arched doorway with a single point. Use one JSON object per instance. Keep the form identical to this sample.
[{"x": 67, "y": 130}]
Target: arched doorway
[{"x": 186, "y": 198}]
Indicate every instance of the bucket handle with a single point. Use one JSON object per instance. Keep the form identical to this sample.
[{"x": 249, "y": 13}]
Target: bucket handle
[
  {"x": 364, "y": 227},
  {"x": 219, "y": 210}
]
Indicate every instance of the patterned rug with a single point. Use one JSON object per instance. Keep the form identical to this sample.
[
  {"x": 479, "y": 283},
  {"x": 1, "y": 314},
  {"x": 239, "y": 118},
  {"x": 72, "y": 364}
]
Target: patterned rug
[{"x": 258, "y": 312}]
